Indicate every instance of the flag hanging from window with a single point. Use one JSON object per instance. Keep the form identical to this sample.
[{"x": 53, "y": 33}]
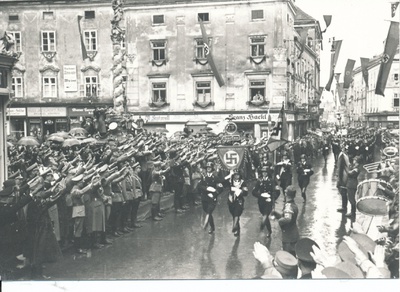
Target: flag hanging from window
[
  {"x": 83, "y": 47},
  {"x": 364, "y": 69},
  {"x": 280, "y": 133},
  {"x": 341, "y": 93},
  {"x": 334, "y": 57},
  {"x": 393, "y": 7},
  {"x": 348, "y": 73},
  {"x": 391, "y": 44},
  {"x": 209, "y": 56},
  {"x": 328, "y": 19},
  {"x": 303, "y": 40}
]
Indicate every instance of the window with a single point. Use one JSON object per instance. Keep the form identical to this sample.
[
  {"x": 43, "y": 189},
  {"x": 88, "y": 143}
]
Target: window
[
  {"x": 203, "y": 16},
  {"x": 49, "y": 87},
  {"x": 158, "y": 48},
  {"x": 396, "y": 100},
  {"x": 257, "y": 45},
  {"x": 396, "y": 77},
  {"x": 203, "y": 91},
  {"x": 17, "y": 87},
  {"x": 17, "y": 40},
  {"x": 309, "y": 42},
  {"x": 48, "y": 41},
  {"x": 159, "y": 92},
  {"x": 13, "y": 17},
  {"x": 89, "y": 15},
  {"x": 158, "y": 19},
  {"x": 201, "y": 50},
  {"x": 257, "y": 90},
  {"x": 48, "y": 15},
  {"x": 91, "y": 40},
  {"x": 91, "y": 86},
  {"x": 257, "y": 14}
]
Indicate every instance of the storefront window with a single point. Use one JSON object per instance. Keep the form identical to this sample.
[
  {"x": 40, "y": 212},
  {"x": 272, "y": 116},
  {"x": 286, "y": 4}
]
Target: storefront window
[
  {"x": 17, "y": 128},
  {"x": 35, "y": 128}
]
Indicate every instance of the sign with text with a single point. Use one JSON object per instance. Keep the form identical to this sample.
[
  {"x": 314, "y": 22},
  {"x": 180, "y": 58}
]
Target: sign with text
[
  {"x": 16, "y": 111},
  {"x": 70, "y": 79},
  {"x": 80, "y": 112}
]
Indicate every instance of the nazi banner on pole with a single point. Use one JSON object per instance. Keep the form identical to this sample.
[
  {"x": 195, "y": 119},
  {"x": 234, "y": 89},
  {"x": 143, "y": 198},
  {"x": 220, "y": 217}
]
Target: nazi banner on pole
[{"x": 231, "y": 157}]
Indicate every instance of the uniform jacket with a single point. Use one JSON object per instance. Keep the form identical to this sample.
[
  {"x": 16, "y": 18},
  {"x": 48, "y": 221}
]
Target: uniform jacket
[
  {"x": 288, "y": 224},
  {"x": 301, "y": 174},
  {"x": 264, "y": 187}
]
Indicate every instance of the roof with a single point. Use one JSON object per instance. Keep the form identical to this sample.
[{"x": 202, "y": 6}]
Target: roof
[{"x": 302, "y": 16}]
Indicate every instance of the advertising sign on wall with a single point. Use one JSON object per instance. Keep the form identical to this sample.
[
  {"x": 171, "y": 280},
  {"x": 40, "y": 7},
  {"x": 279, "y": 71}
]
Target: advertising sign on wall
[{"x": 70, "y": 79}]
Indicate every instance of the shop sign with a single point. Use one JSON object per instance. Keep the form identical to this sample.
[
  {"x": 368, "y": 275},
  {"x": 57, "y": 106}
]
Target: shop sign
[
  {"x": 34, "y": 112},
  {"x": 70, "y": 80},
  {"x": 254, "y": 117},
  {"x": 61, "y": 120},
  {"x": 54, "y": 111},
  {"x": 393, "y": 118},
  {"x": 77, "y": 112},
  {"x": 16, "y": 111},
  {"x": 373, "y": 119},
  {"x": 290, "y": 117}
]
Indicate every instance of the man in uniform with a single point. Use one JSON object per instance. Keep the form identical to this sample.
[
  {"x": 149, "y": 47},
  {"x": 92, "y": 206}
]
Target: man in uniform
[
  {"x": 303, "y": 249},
  {"x": 343, "y": 164},
  {"x": 288, "y": 221}
]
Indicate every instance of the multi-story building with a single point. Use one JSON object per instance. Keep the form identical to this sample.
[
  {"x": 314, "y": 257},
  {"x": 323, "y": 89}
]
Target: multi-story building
[
  {"x": 364, "y": 107},
  {"x": 256, "y": 46}
]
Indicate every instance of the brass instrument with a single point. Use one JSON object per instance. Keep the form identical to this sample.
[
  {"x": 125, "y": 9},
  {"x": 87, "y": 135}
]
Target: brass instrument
[{"x": 390, "y": 152}]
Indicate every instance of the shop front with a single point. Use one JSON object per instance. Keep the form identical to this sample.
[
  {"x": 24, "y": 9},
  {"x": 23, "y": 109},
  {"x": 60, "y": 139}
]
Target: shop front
[
  {"x": 254, "y": 124},
  {"x": 43, "y": 121},
  {"x": 76, "y": 115},
  {"x": 16, "y": 122},
  {"x": 382, "y": 120}
]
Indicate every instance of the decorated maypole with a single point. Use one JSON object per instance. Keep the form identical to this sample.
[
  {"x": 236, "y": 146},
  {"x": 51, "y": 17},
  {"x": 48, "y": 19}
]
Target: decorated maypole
[{"x": 117, "y": 36}]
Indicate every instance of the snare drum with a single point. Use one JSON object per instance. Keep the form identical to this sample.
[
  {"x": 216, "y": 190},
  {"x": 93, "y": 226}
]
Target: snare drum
[{"x": 370, "y": 199}]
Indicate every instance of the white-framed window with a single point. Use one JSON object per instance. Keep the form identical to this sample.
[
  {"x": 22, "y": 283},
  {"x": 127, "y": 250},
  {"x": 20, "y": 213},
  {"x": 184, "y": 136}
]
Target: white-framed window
[
  {"x": 205, "y": 16},
  {"x": 257, "y": 90},
  {"x": 201, "y": 50},
  {"x": 257, "y": 46},
  {"x": 159, "y": 91},
  {"x": 395, "y": 100},
  {"x": 203, "y": 91},
  {"x": 48, "y": 41},
  {"x": 17, "y": 40},
  {"x": 18, "y": 87},
  {"x": 91, "y": 86},
  {"x": 159, "y": 50},
  {"x": 257, "y": 14},
  {"x": 90, "y": 40},
  {"x": 158, "y": 19},
  {"x": 49, "y": 87}
]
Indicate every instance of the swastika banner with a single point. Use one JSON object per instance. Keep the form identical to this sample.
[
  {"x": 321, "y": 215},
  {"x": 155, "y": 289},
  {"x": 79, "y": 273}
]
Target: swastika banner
[{"x": 231, "y": 157}]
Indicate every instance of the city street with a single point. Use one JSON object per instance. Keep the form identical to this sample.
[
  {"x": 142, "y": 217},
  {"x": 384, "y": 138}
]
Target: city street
[{"x": 178, "y": 248}]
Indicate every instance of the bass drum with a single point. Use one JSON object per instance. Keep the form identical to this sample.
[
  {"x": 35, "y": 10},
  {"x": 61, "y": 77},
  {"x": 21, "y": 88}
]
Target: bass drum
[{"x": 370, "y": 199}]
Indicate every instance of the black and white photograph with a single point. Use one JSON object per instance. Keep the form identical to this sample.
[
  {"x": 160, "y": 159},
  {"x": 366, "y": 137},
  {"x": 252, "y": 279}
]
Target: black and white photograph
[{"x": 185, "y": 142}]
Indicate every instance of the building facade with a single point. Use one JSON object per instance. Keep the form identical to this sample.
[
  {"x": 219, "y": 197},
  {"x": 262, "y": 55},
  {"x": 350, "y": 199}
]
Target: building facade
[
  {"x": 256, "y": 46},
  {"x": 364, "y": 107}
]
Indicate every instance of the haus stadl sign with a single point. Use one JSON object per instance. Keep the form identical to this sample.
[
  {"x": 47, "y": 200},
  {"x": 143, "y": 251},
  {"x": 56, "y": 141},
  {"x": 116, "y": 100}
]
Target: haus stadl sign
[{"x": 254, "y": 117}]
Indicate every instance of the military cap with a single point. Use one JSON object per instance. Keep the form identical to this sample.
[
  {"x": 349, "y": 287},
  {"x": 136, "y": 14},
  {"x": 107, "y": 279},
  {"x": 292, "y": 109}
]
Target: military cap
[
  {"x": 335, "y": 273},
  {"x": 291, "y": 191},
  {"x": 351, "y": 269},
  {"x": 77, "y": 178},
  {"x": 33, "y": 166},
  {"x": 285, "y": 262},
  {"x": 303, "y": 249}
]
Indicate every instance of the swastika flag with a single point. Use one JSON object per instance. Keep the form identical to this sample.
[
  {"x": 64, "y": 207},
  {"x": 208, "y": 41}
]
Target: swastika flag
[
  {"x": 231, "y": 157},
  {"x": 280, "y": 133}
]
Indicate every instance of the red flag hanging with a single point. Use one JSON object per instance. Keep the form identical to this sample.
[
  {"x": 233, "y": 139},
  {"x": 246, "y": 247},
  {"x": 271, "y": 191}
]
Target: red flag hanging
[
  {"x": 83, "y": 47},
  {"x": 334, "y": 57},
  {"x": 209, "y": 55},
  {"x": 391, "y": 44},
  {"x": 393, "y": 8},
  {"x": 348, "y": 73},
  {"x": 328, "y": 19},
  {"x": 280, "y": 133},
  {"x": 364, "y": 69}
]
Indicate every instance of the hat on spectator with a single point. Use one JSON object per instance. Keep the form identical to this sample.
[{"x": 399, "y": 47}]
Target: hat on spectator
[
  {"x": 285, "y": 263},
  {"x": 291, "y": 191},
  {"x": 303, "y": 249},
  {"x": 351, "y": 269},
  {"x": 335, "y": 273}
]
